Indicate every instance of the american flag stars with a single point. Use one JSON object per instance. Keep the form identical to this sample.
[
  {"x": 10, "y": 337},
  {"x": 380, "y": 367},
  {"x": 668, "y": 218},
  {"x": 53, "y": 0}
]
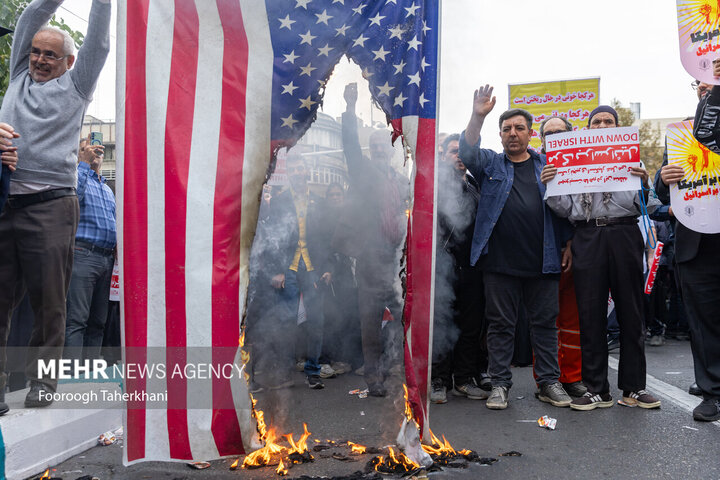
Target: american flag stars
[{"x": 388, "y": 39}]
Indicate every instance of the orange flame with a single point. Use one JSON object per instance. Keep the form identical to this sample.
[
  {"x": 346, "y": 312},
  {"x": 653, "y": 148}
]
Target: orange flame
[
  {"x": 438, "y": 447},
  {"x": 235, "y": 464},
  {"x": 356, "y": 448},
  {"x": 281, "y": 470},
  {"x": 45, "y": 475},
  {"x": 301, "y": 446},
  {"x": 263, "y": 456},
  {"x": 408, "y": 409},
  {"x": 395, "y": 461}
]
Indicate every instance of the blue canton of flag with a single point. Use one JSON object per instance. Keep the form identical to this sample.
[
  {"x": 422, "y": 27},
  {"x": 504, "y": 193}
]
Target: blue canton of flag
[{"x": 393, "y": 41}]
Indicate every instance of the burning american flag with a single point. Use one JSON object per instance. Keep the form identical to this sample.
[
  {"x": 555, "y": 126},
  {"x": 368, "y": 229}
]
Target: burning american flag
[{"x": 208, "y": 90}]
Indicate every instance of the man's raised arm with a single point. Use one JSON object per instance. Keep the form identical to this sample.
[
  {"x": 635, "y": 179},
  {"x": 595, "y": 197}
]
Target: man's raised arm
[
  {"x": 351, "y": 142},
  {"x": 35, "y": 15},
  {"x": 94, "y": 51}
]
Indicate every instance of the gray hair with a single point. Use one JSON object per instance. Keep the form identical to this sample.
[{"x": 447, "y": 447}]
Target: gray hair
[
  {"x": 568, "y": 125},
  {"x": 68, "y": 42}
]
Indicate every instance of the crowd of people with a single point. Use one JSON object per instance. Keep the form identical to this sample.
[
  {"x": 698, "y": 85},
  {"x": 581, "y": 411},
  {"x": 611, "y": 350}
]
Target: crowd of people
[
  {"x": 326, "y": 274},
  {"x": 560, "y": 260}
]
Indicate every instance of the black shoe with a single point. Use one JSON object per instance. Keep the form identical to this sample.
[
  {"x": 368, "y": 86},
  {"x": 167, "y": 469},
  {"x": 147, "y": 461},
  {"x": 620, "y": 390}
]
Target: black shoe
[
  {"x": 40, "y": 395},
  {"x": 708, "y": 410},
  {"x": 377, "y": 390},
  {"x": 695, "y": 390},
  {"x": 3, "y": 406},
  {"x": 314, "y": 382}
]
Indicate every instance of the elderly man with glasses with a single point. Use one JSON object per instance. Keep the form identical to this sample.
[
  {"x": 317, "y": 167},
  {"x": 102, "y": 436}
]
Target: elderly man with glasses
[{"x": 45, "y": 102}]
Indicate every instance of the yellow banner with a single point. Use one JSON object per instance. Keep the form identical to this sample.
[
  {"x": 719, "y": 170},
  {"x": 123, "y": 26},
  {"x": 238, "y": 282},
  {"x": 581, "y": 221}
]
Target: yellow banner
[{"x": 572, "y": 99}]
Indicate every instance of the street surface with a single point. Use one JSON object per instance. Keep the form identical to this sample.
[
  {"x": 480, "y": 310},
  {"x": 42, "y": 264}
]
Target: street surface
[{"x": 617, "y": 442}]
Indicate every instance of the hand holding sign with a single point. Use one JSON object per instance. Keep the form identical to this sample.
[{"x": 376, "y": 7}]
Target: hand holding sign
[{"x": 595, "y": 160}]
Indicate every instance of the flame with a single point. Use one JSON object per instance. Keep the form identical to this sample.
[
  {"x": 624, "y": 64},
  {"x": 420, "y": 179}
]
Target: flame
[
  {"x": 235, "y": 464},
  {"x": 262, "y": 457},
  {"x": 395, "y": 462},
  {"x": 408, "y": 408},
  {"x": 438, "y": 447},
  {"x": 281, "y": 470},
  {"x": 356, "y": 448},
  {"x": 45, "y": 475},
  {"x": 301, "y": 446}
]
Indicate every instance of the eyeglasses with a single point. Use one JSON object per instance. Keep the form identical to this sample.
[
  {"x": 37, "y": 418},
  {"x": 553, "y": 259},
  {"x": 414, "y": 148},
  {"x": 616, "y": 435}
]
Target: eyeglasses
[
  {"x": 695, "y": 84},
  {"x": 48, "y": 54},
  {"x": 547, "y": 134}
]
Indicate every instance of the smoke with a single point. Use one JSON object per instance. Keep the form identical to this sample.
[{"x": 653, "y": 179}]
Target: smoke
[{"x": 455, "y": 219}]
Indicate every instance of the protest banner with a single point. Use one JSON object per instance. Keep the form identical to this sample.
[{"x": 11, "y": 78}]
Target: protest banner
[
  {"x": 699, "y": 36},
  {"x": 571, "y": 99},
  {"x": 695, "y": 199},
  {"x": 597, "y": 160}
]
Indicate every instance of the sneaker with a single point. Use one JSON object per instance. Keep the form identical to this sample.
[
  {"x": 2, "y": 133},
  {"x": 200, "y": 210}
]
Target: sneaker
[
  {"x": 498, "y": 399},
  {"x": 575, "y": 389},
  {"x": 300, "y": 365},
  {"x": 341, "y": 367},
  {"x": 554, "y": 394},
  {"x": 314, "y": 382},
  {"x": 641, "y": 399},
  {"x": 360, "y": 371},
  {"x": 695, "y": 390},
  {"x": 326, "y": 371},
  {"x": 471, "y": 391},
  {"x": 656, "y": 341},
  {"x": 438, "y": 392},
  {"x": 591, "y": 401},
  {"x": 613, "y": 343},
  {"x": 708, "y": 410}
]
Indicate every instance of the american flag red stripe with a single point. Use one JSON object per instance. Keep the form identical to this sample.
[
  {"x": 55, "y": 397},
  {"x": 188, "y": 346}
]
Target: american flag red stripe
[
  {"x": 227, "y": 221},
  {"x": 134, "y": 220}
]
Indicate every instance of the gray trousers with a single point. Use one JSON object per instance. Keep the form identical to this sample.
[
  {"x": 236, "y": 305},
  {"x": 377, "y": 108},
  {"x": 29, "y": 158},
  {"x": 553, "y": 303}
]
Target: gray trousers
[
  {"x": 36, "y": 254},
  {"x": 503, "y": 296}
]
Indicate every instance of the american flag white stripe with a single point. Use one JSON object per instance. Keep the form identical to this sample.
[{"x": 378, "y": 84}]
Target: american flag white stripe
[
  {"x": 159, "y": 48},
  {"x": 257, "y": 127},
  {"x": 199, "y": 223}
]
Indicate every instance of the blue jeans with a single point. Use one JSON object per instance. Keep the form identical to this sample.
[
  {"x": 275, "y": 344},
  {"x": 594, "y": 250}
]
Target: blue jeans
[
  {"x": 312, "y": 289},
  {"x": 87, "y": 303}
]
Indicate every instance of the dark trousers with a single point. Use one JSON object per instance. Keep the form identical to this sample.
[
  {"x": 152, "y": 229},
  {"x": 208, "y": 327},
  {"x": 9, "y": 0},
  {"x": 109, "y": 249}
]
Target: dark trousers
[
  {"x": 503, "y": 296},
  {"x": 376, "y": 291},
  {"x": 36, "y": 254},
  {"x": 700, "y": 282},
  {"x": 312, "y": 289},
  {"x": 87, "y": 303},
  {"x": 610, "y": 259}
]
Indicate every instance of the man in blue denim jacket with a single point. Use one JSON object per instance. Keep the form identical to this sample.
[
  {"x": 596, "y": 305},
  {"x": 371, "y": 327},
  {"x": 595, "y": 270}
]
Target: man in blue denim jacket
[{"x": 518, "y": 245}]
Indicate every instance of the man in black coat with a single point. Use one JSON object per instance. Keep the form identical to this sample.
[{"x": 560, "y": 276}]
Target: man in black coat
[{"x": 697, "y": 256}]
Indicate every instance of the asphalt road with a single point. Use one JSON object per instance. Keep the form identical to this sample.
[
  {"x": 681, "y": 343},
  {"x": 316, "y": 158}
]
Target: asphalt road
[{"x": 617, "y": 442}]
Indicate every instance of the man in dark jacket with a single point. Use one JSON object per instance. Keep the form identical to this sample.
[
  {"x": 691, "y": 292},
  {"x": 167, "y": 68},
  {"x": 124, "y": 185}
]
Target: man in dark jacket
[
  {"x": 372, "y": 230},
  {"x": 296, "y": 261},
  {"x": 697, "y": 256},
  {"x": 517, "y": 244}
]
